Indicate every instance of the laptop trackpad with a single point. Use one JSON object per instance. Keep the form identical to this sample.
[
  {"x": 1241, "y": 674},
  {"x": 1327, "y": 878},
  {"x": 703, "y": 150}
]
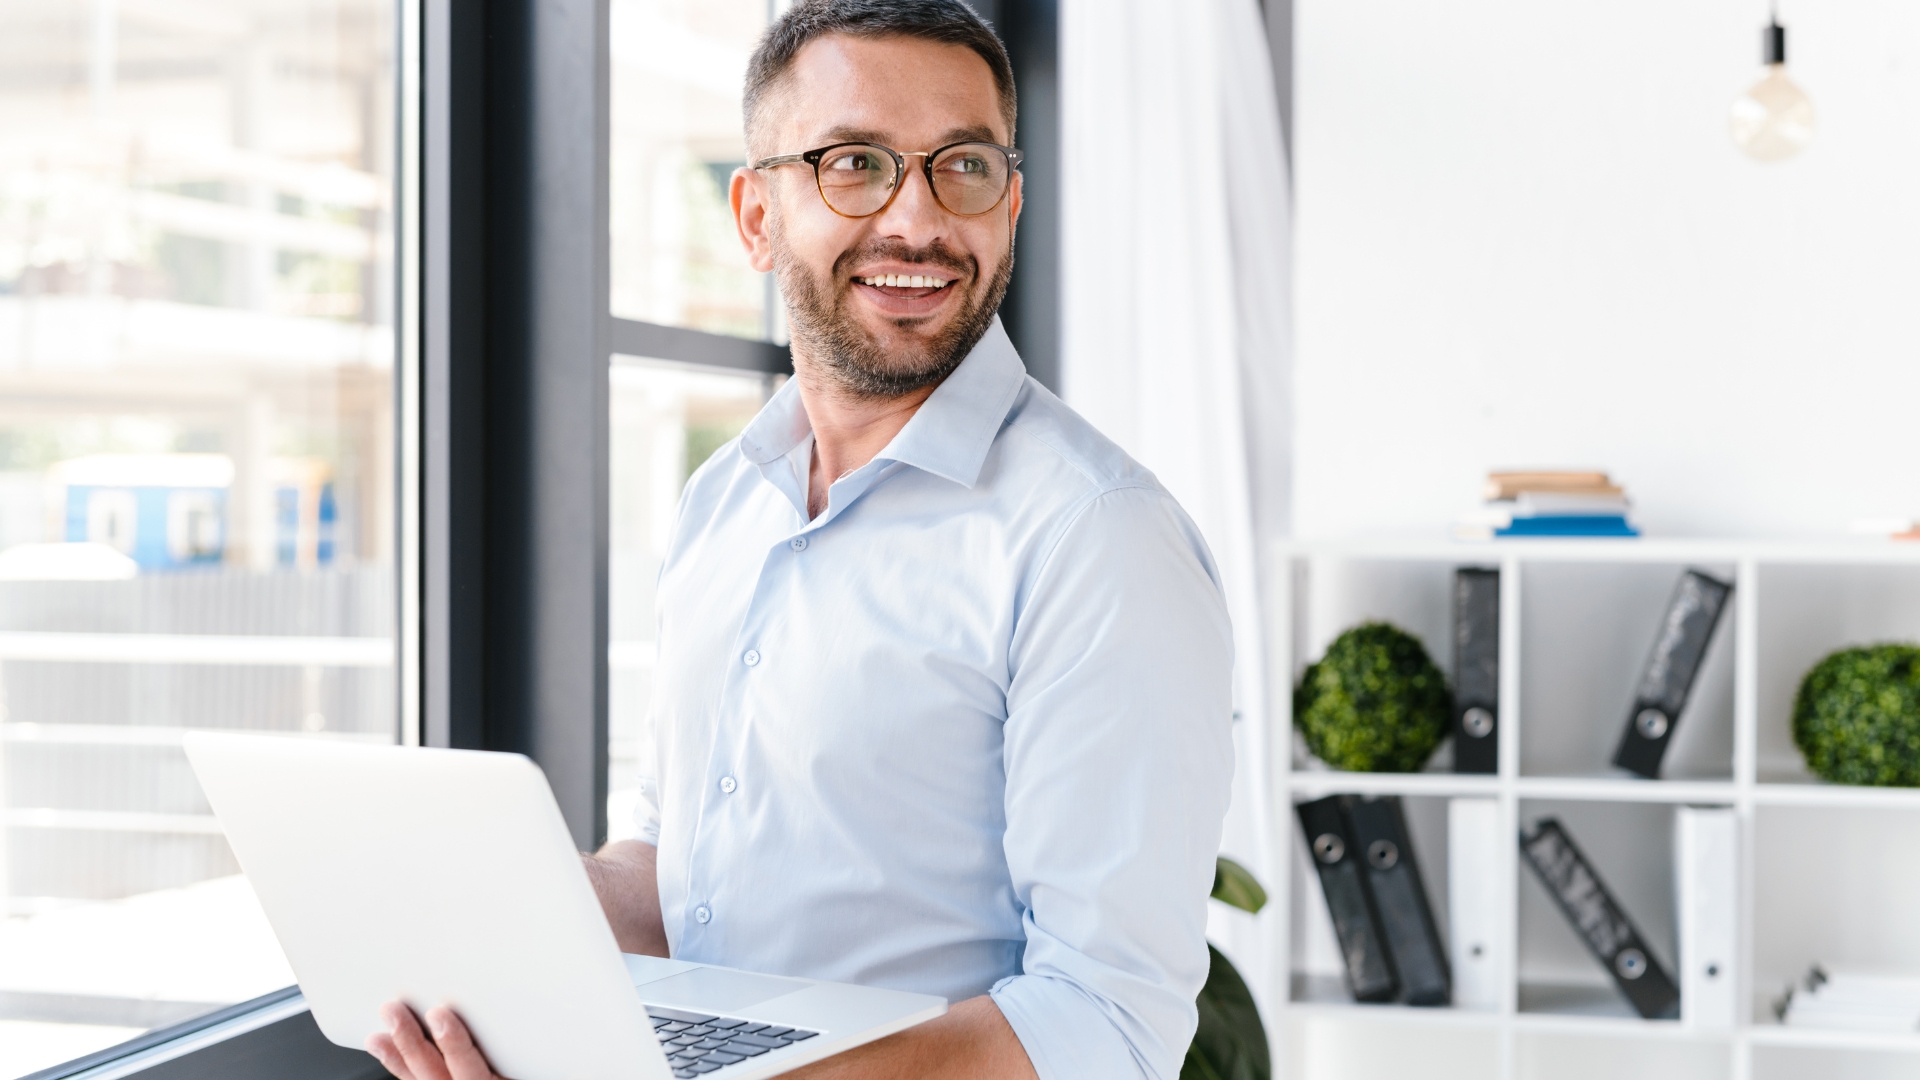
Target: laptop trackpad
[{"x": 719, "y": 990}]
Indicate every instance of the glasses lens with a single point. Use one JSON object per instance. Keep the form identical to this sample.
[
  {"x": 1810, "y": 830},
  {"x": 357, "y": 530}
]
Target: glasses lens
[
  {"x": 971, "y": 178},
  {"x": 856, "y": 180}
]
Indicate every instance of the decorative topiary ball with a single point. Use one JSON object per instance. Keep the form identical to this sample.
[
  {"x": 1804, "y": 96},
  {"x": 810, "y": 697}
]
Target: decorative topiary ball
[
  {"x": 1857, "y": 716},
  {"x": 1374, "y": 703}
]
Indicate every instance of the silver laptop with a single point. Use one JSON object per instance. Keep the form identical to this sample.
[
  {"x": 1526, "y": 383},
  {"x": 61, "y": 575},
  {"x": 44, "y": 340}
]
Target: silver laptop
[{"x": 448, "y": 877}]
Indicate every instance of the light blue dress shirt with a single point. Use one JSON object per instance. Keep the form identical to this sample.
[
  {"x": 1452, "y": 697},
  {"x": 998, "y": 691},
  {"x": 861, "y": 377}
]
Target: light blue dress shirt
[{"x": 968, "y": 731}]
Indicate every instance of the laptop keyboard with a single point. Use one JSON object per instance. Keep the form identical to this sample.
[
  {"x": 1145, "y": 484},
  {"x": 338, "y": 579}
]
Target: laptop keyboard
[{"x": 698, "y": 1044}]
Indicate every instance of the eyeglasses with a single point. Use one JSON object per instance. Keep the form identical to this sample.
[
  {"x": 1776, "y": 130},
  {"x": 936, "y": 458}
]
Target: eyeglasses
[{"x": 861, "y": 179}]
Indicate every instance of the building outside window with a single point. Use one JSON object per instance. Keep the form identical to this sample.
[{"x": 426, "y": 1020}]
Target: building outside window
[{"x": 197, "y": 473}]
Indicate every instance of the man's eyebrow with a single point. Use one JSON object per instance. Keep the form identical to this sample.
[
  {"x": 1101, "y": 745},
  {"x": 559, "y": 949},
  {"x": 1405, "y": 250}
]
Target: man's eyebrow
[
  {"x": 968, "y": 134},
  {"x": 852, "y": 134},
  {"x": 843, "y": 134}
]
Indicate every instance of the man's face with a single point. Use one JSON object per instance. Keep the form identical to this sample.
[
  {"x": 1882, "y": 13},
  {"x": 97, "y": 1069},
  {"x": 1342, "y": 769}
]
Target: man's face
[{"x": 872, "y": 339}]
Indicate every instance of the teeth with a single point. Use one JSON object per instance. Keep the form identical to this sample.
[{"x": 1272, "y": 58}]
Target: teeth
[{"x": 905, "y": 281}]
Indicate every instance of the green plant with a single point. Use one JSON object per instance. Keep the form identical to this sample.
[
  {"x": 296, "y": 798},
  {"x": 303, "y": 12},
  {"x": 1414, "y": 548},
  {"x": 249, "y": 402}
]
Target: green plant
[
  {"x": 1231, "y": 1043},
  {"x": 1374, "y": 703},
  {"x": 1857, "y": 716}
]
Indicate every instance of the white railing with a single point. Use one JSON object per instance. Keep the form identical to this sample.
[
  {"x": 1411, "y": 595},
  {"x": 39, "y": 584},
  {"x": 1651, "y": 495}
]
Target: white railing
[
  {"x": 197, "y": 649},
  {"x": 46, "y": 817},
  {"x": 241, "y": 649}
]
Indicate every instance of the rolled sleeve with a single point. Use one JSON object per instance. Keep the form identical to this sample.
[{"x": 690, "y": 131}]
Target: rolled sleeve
[
  {"x": 646, "y": 812},
  {"x": 1119, "y": 761}
]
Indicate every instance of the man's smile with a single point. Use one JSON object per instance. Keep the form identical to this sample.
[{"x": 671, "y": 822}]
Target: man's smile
[
  {"x": 907, "y": 294},
  {"x": 905, "y": 281}
]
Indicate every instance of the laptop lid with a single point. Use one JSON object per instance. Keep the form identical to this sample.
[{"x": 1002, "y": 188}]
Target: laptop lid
[{"x": 431, "y": 877}]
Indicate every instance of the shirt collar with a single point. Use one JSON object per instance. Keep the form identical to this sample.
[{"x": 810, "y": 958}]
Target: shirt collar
[{"x": 949, "y": 435}]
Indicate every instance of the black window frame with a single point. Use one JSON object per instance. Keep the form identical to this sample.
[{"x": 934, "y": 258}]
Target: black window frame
[{"x": 505, "y": 318}]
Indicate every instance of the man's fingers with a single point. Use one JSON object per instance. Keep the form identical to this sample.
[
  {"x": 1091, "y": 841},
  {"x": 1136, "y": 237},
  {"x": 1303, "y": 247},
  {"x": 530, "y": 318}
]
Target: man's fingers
[
  {"x": 380, "y": 1045},
  {"x": 417, "y": 1052},
  {"x": 464, "y": 1059}
]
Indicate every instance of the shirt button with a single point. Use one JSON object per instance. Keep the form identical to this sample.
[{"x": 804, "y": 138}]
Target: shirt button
[
  {"x": 799, "y": 543},
  {"x": 702, "y": 914},
  {"x": 729, "y": 785},
  {"x": 752, "y": 657}
]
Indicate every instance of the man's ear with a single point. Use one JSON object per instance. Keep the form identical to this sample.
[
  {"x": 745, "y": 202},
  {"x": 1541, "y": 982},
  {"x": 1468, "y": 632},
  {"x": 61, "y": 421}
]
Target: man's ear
[
  {"x": 1013, "y": 202},
  {"x": 749, "y": 195}
]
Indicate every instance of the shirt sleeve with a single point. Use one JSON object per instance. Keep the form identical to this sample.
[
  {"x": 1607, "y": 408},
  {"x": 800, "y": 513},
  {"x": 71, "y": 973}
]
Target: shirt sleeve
[{"x": 1119, "y": 760}]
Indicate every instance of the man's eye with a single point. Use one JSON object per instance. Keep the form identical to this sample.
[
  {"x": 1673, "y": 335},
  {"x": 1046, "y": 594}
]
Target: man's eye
[
  {"x": 966, "y": 166},
  {"x": 851, "y": 163}
]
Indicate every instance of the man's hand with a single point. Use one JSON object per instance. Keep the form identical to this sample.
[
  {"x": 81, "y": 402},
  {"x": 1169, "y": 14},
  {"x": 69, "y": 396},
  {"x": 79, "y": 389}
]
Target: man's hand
[
  {"x": 407, "y": 1053},
  {"x": 971, "y": 1042}
]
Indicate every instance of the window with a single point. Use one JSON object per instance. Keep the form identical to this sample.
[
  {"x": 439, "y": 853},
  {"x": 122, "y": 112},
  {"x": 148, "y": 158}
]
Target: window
[
  {"x": 676, "y": 140},
  {"x": 197, "y": 474},
  {"x": 675, "y": 262}
]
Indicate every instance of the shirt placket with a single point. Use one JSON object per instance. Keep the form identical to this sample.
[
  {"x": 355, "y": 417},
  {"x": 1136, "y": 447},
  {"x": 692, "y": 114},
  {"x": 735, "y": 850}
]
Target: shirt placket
[{"x": 754, "y": 669}]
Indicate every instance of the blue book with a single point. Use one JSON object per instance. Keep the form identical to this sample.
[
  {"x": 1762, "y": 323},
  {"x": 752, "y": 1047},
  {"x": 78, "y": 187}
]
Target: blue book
[{"x": 1570, "y": 525}]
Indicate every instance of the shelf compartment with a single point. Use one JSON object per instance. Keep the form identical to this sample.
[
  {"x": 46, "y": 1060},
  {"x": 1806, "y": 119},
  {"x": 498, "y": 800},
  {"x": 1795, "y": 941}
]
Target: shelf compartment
[
  {"x": 1334, "y": 594},
  {"x": 1630, "y": 847},
  {"x": 1806, "y": 612},
  {"x": 1586, "y": 630},
  {"x": 1317, "y": 971},
  {"x": 1836, "y": 886}
]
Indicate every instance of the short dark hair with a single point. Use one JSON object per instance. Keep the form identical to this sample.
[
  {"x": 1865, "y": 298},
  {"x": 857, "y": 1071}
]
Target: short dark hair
[{"x": 948, "y": 22}]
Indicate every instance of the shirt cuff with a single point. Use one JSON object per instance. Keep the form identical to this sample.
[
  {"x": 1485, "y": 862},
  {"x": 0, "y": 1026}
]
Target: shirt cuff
[
  {"x": 1066, "y": 1035},
  {"x": 646, "y": 816}
]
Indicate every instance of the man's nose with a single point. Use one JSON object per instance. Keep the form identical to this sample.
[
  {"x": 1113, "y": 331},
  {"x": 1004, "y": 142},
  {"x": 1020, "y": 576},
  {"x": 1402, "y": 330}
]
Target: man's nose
[{"x": 914, "y": 215}]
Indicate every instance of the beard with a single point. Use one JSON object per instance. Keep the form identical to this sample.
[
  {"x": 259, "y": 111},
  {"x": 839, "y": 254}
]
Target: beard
[{"x": 858, "y": 364}]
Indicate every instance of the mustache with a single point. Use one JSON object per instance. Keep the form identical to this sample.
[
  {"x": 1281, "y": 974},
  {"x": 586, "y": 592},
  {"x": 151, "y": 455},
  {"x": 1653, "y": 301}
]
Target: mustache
[{"x": 934, "y": 254}]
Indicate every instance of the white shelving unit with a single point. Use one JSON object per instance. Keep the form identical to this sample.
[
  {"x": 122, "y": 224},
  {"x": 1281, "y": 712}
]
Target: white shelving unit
[{"x": 1827, "y": 874}]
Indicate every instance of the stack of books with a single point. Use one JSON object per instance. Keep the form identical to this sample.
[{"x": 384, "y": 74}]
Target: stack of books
[
  {"x": 1546, "y": 503},
  {"x": 1851, "y": 1001}
]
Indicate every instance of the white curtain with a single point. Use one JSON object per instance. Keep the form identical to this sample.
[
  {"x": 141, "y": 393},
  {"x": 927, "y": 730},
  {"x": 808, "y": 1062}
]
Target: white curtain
[{"x": 1175, "y": 322}]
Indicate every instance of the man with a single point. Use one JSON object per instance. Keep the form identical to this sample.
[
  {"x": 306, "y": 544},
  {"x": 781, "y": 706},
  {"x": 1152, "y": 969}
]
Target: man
[{"x": 942, "y": 700}]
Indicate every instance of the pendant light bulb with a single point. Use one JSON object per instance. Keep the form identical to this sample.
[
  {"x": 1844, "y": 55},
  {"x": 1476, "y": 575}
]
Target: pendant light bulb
[{"x": 1773, "y": 120}]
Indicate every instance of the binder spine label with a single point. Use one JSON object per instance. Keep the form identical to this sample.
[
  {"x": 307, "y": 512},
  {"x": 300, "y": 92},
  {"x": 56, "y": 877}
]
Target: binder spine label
[
  {"x": 1599, "y": 919},
  {"x": 1667, "y": 679},
  {"x": 1331, "y": 846},
  {"x": 1476, "y": 667}
]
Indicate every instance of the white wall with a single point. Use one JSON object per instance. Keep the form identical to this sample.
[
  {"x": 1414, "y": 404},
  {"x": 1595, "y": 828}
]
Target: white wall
[{"x": 1525, "y": 238}]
